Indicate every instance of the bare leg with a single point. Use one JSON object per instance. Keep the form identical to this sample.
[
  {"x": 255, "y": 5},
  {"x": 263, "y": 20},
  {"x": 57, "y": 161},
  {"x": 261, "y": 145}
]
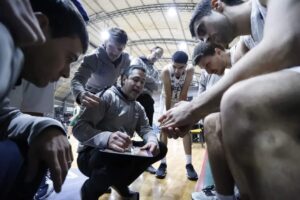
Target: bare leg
[
  {"x": 164, "y": 138},
  {"x": 261, "y": 129},
  {"x": 222, "y": 176}
]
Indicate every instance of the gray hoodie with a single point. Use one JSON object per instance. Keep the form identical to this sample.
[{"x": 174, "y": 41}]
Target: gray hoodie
[
  {"x": 114, "y": 113},
  {"x": 97, "y": 71}
]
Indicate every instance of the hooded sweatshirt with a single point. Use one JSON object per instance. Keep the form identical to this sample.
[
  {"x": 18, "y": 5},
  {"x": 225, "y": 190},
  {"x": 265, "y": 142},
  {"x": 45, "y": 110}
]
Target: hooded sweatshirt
[{"x": 115, "y": 113}]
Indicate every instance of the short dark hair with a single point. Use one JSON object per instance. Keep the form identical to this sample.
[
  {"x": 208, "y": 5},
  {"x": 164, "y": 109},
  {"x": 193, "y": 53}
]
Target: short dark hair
[
  {"x": 118, "y": 35},
  {"x": 129, "y": 71},
  {"x": 203, "y": 49},
  {"x": 203, "y": 8},
  {"x": 64, "y": 19},
  {"x": 180, "y": 57}
]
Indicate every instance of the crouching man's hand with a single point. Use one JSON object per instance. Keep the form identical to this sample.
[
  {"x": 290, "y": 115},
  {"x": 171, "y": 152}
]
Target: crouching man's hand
[
  {"x": 152, "y": 147},
  {"x": 119, "y": 141},
  {"x": 52, "y": 148}
]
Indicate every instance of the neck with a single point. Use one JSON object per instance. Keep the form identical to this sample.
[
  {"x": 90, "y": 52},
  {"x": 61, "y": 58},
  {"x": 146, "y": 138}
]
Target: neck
[
  {"x": 123, "y": 92},
  {"x": 239, "y": 16},
  {"x": 227, "y": 59}
]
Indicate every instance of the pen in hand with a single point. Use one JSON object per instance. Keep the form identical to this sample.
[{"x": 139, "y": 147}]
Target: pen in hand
[{"x": 128, "y": 147}]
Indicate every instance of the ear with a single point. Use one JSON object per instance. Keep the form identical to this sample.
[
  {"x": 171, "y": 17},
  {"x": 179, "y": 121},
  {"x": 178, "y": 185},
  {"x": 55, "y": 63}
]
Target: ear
[
  {"x": 218, "y": 51},
  {"x": 44, "y": 23},
  {"x": 123, "y": 78},
  {"x": 217, "y": 5}
]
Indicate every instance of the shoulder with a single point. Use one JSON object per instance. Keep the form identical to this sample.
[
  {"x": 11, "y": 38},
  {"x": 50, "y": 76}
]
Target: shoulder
[
  {"x": 91, "y": 55},
  {"x": 165, "y": 72},
  {"x": 204, "y": 74},
  {"x": 190, "y": 70},
  {"x": 166, "y": 69}
]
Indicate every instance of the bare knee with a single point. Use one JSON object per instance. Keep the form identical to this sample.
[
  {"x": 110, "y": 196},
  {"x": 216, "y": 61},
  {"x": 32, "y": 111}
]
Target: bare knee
[
  {"x": 238, "y": 112},
  {"x": 212, "y": 127}
]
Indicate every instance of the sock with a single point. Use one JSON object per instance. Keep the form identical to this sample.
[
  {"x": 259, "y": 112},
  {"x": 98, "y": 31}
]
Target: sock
[
  {"x": 188, "y": 159},
  {"x": 164, "y": 160},
  {"x": 225, "y": 197}
]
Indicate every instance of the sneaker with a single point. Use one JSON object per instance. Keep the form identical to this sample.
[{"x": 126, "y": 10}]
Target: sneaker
[
  {"x": 237, "y": 193},
  {"x": 203, "y": 196},
  {"x": 209, "y": 190},
  {"x": 207, "y": 193},
  {"x": 191, "y": 173},
  {"x": 45, "y": 189},
  {"x": 126, "y": 193},
  {"x": 161, "y": 171},
  {"x": 151, "y": 169}
]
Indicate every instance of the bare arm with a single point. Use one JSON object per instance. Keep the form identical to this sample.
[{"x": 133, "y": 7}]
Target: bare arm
[
  {"x": 165, "y": 76},
  {"x": 240, "y": 50},
  {"x": 187, "y": 83}
]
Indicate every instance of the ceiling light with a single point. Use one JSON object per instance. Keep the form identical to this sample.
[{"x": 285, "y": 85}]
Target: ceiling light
[
  {"x": 172, "y": 12},
  {"x": 104, "y": 35}
]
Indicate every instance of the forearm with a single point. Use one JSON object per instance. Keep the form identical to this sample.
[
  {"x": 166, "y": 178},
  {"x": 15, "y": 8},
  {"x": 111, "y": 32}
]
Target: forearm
[
  {"x": 77, "y": 88},
  {"x": 79, "y": 80},
  {"x": 168, "y": 102},
  {"x": 87, "y": 135},
  {"x": 148, "y": 134},
  {"x": 19, "y": 126},
  {"x": 152, "y": 138}
]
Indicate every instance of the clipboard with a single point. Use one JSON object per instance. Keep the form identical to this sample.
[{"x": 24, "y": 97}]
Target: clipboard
[{"x": 133, "y": 151}]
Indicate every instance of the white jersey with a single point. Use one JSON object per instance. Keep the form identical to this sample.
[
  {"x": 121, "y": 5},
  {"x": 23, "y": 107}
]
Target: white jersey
[
  {"x": 176, "y": 85},
  {"x": 258, "y": 17}
]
